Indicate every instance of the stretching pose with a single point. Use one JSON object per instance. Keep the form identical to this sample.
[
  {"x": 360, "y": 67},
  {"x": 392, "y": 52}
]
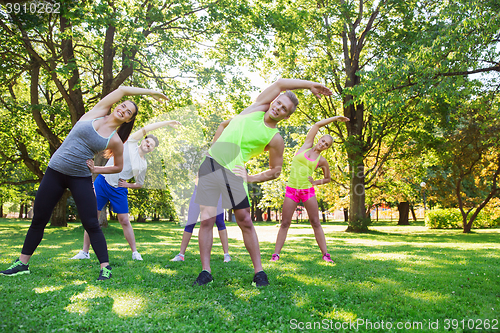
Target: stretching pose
[
  {"x": 114, "y": 187},
  {"x": 71, "y": 166},
  {"x": 300, "y": 186},
  {"x": 223, "y": 171},
  {"x": 193, "y": 213}
]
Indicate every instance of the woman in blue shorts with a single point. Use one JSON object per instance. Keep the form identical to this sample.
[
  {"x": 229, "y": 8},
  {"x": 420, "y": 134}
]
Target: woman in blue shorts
[{"x": 113, "y": 188}]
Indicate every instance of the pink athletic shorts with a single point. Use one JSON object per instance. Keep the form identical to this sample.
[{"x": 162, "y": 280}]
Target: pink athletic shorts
[{"x": 299, "y": 195}]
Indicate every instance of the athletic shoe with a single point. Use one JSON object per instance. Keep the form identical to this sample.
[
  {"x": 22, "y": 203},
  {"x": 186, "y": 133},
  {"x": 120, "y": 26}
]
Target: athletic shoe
[
  {"x": 227, "y": 257},
  {"x": 178, "y": 257},
  {"x": 275, "y": 257},
  {"x": 82, "y": 255},
  {"x": 17, "y": 268},
  {"x": 260, "y": 279},
  {"x": 136, "y": 256},
  {"x": 203, "y": 278},
  {"x": 105, "y": 273},
  {"x": 327, "y": 258}
]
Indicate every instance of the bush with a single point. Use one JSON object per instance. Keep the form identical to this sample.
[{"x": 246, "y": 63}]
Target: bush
[
  {"x": 444, "y": 219},
  {"x": 451, "y": 218}
]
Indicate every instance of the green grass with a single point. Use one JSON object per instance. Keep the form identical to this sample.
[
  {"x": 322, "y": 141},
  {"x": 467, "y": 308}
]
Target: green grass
[{"x": 393, "y": 274}]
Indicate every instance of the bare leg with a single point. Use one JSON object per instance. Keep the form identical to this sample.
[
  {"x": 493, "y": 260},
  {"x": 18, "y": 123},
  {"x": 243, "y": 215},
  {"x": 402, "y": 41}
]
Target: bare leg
[
  {"x": 186, "y": 237},
  {"x": 205, "y": 235},
  {"x": 24, "y": 258},
  {"x": 311, "y": 206},
  {"x": 128, "y": 231},
  {"x": 86, "y": 242},
  {"x": 249, "y": 237},
  {"x": 288, "y": 208},
  {"x": 224, "y": 240}
]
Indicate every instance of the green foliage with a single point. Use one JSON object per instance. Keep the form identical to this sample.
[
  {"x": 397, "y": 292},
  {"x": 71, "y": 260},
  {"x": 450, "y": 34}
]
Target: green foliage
[
  {"x": 151, "y": 203},
  {"x": 451, "y": 218},
  {"x": 443, "y": 219}
]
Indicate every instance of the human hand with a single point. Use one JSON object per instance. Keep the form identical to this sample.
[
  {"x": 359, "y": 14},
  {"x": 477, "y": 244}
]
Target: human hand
[
  {"x": 122, "y": 183},
  {"x": 318, "y": 90},
  {"x": 158, "y": 96},
  {"x": 241, "y": 171},
  {"x": 90, "y": 165},
  {"x": 311, "y": 179},
  {"x": 174, "y": 123},
  {"x": 341, "y": 118}
]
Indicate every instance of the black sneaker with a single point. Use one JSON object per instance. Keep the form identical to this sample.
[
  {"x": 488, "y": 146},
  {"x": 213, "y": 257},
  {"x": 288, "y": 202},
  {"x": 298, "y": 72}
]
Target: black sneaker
[
  {"x": 260, "y": 279},
  {"x": 105, "y": 273},
  {"x": 17, "y": 268},
  {"x": 203, "y": 278}
]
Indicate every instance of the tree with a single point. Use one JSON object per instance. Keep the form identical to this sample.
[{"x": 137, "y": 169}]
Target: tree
[
  {"x": 381, "y": 58},
  {"x": 467, "y": 157},
  {"x": 68, "y": 61}
]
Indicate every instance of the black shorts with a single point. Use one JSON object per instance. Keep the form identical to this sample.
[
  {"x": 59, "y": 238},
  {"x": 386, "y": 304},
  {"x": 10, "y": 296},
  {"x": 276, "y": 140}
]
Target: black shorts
[{"x": 214, "y": 180}]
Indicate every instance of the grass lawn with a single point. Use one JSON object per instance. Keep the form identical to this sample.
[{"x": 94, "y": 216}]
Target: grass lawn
[{"x": 394, "y": 279}]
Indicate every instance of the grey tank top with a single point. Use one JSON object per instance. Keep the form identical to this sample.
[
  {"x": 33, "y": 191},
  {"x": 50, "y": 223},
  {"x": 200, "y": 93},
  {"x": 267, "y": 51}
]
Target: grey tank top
[{"x": 81, "y": 144}]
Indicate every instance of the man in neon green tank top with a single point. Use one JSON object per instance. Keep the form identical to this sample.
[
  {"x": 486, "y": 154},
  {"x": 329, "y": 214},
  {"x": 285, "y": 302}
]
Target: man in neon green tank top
[
  {"x": 223, "y": 172},
  {"x": 300, "y": 186}
]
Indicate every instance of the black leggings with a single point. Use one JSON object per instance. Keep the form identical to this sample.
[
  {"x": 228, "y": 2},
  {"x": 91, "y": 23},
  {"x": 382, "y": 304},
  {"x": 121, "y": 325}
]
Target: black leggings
[{"x": 50, "y": 191}]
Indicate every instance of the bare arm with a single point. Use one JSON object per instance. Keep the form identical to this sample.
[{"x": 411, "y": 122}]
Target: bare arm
[
  {"x": 102, "y": 107},
  {"x": 220, "y": 129},
  {"x": 309, "y": 142},
  {"x": 124, "y": 183},
  {"x": 323, "y": 164},
  {"x": 116, "y": 146},
  {"x": 265, "y": 98},
  {"x": 137, "y": 135},
  {"x": 276, "y": 148}
]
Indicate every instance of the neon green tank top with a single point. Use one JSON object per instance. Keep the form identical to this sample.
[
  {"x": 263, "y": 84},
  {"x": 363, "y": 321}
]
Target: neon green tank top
[
  {"x": 245, "y": 137},
  {"x": 301, "y": 169}
]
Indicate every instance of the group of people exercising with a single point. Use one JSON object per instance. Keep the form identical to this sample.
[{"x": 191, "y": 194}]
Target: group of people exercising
[{"x": 221, "y": 181}]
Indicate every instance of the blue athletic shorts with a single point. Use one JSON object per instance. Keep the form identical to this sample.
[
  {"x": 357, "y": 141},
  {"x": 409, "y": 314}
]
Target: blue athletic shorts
[{"x": 117, "y": 196}]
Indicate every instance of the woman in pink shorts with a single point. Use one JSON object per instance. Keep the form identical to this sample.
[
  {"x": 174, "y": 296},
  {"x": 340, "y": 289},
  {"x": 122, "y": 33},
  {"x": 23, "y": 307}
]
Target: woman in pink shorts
[{"x": 300, "y": 186}]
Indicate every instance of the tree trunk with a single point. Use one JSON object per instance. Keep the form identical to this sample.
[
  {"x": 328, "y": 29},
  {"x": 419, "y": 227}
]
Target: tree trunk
[
  {"x": 230, "y": 215},
  {"x": 322, "y": 207},
  {"x": 252, "y": 211},
  {"x": 103, "y": 217},
  {"x": 404, "y": 209},
  {"x": 268, "y": 214},
  {"x": 258, "y": 214},
  {"x": 141, "y": 218},
  {"x": 1, "y": 209},
  {"x": 58, "y": 218},
  {"x": 358, "y": 222},
  {"x": 346, "y": 214},
  {"x": 21, "y": 209},
  {"x": 467, "y": 226},
  {"x": 413, "y": 215}
]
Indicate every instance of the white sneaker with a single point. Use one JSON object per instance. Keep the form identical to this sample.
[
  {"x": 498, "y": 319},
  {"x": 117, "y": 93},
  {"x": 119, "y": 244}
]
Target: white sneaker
[
  {"x": 136, "y": 256},
  {"x": 82, "y": 255},
  {"x": 227, "y": 257},
  {"x": 178, "y": 257}
]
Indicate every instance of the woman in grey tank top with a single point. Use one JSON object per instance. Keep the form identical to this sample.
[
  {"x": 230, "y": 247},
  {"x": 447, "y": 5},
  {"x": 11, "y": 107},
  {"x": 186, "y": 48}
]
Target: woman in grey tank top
[{"x": 71, "y": 167}]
